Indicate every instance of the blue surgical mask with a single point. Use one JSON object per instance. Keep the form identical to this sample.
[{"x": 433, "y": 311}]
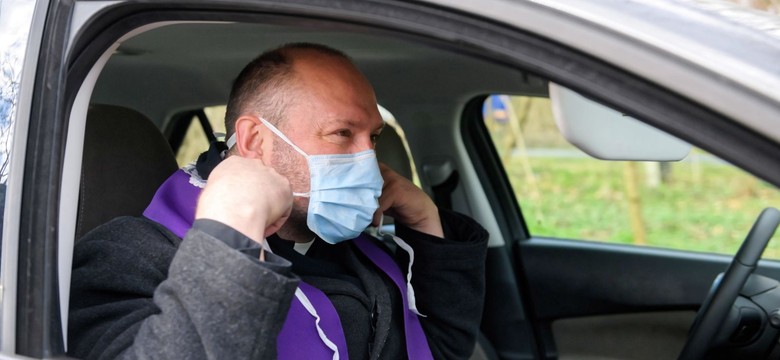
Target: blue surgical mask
[{"x": 344, "y": 192}]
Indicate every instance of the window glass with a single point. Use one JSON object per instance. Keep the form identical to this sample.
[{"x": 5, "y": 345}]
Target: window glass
[
  {"x": 700, "y": 203},
  {"x": 195, "y": 140}
]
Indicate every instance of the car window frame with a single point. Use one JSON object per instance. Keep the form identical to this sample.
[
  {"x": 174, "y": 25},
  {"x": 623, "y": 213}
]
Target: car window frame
[{"x": 32, "y": 15}]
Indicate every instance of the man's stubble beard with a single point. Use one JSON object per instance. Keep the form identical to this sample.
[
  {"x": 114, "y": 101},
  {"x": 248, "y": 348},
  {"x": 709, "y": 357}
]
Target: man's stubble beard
[{"x": 292, "y": 165}]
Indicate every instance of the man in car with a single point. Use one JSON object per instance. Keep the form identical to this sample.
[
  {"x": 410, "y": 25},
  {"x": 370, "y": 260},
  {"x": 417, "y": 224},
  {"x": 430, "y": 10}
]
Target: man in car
[{"x": 214, "y": 272}]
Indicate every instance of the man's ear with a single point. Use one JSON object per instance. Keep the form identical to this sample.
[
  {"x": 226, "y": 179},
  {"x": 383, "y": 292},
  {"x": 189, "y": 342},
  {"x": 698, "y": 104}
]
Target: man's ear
[{"x": 250, "y": 137}]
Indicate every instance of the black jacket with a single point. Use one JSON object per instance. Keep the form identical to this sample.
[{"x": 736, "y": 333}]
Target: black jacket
[{"x": 140, "y": 291}]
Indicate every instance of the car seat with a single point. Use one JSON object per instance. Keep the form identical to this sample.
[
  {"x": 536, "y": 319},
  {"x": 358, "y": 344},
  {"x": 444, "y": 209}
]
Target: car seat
[{"x": 125, "y": 160}]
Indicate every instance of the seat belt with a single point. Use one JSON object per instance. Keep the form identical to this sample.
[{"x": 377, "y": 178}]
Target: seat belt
[
  {"x": 204, "y": 122},
  {"x": 444, "y": 180},
  {"x": 442, "y": 193}
]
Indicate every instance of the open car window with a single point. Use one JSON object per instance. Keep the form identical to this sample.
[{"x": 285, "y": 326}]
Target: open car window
[{"x": 700, "y": 203}]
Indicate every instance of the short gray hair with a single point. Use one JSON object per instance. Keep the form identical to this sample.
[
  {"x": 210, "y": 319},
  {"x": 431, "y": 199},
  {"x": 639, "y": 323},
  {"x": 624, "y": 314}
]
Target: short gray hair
[{"x": 266, "y": 85}]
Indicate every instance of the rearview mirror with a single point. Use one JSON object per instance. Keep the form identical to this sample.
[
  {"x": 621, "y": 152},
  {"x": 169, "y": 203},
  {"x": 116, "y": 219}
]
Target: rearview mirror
[{"x": 607, "y": 134}]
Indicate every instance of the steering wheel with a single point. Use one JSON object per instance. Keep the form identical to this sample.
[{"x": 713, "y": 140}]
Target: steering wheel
[{"x": 727, "y": 286}]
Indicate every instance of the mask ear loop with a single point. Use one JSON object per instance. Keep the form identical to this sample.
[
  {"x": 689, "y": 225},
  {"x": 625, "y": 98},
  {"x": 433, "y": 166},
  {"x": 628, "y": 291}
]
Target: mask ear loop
[
  {"x": 283, "y": 137},
  {"x": 231, "y": 141},
  {"x": 406, "y": 247}
]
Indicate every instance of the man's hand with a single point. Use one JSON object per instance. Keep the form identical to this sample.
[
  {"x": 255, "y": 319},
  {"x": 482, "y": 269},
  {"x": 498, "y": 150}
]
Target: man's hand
[
  {"x": 246, "y": 195},
  {"x": 407, "y": 204}
]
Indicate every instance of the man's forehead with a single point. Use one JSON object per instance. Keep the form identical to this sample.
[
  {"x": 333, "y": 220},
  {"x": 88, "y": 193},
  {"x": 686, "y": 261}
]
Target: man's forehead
[{"x": 329, "y": 71}]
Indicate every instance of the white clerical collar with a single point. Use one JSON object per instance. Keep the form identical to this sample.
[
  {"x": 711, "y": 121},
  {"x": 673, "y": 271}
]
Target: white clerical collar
[{"x": 302, "y": 248}]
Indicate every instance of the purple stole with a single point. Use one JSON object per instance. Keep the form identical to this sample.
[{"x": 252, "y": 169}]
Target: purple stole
[{"x": 173, "y": 206}]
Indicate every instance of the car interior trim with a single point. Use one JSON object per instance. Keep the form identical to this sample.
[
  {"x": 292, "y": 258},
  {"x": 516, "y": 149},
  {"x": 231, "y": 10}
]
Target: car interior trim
[{"x": 71, "y": 180}]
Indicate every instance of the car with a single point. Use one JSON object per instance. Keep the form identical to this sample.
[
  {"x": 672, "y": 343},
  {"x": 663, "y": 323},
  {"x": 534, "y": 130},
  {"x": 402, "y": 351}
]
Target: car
[{"x": 98, "y": 97}]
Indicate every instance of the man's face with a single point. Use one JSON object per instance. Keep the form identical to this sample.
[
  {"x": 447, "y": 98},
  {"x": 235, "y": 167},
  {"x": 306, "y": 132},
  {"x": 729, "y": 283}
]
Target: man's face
[{"x": 334, "y": 112}]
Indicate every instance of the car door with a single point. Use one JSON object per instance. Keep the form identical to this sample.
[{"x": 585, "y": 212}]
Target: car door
[
  {"x": 616, "y": 255},
  {"x": 36, "y": 71},
  {"x": 635, "y": 293},
  {"x": 591, "y": 299}
]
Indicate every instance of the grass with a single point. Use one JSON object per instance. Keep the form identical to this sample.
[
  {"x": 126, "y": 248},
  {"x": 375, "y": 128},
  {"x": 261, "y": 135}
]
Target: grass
[
  {"x": 705, "y": 207},
  {"x": 702, "y": 205}
]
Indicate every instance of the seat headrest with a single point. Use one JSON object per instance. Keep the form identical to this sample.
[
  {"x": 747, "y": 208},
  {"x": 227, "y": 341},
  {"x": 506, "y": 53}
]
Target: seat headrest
[
  {"x": 125, "y": 160},
  {"x": 390, "y": 150}
]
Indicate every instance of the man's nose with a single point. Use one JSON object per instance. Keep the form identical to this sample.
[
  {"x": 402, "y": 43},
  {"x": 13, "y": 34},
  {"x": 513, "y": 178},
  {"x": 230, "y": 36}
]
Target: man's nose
[{"x": 364, "y": 143}]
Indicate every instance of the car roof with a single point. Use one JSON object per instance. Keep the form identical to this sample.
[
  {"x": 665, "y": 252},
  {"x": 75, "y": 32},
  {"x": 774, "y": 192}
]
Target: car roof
[{"x": 732, "y": 45}]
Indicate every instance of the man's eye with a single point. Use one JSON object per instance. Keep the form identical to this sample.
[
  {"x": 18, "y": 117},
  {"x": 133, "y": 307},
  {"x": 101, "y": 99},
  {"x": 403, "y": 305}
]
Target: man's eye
[
  {"x": 374, "y": 138},
  {"x": 345, "y": 133}
]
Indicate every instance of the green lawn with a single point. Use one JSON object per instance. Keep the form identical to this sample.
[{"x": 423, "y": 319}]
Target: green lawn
[{"x": 702, "y": 206}]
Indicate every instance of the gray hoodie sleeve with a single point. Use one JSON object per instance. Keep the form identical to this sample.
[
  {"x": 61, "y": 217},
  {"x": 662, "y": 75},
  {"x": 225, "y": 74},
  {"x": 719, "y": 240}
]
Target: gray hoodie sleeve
[{"x": 214, "y": 303}]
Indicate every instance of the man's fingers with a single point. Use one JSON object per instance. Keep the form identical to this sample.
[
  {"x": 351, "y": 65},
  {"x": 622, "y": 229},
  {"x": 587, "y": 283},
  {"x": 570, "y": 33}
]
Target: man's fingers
[
  {"x": 275, "y": 226},
  {"x": 407, "y": 203},
  {"x": 248, "y": 196}
]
